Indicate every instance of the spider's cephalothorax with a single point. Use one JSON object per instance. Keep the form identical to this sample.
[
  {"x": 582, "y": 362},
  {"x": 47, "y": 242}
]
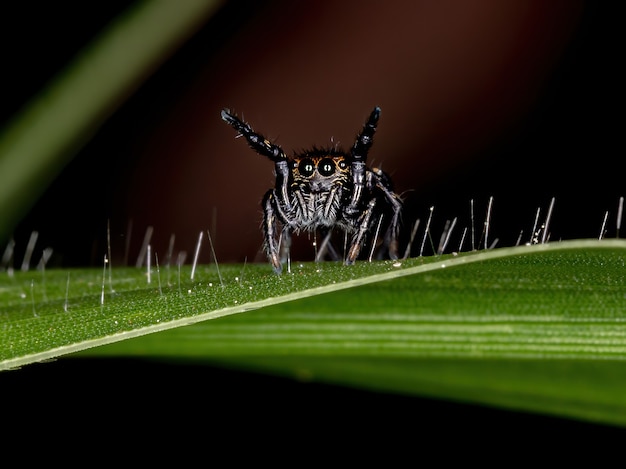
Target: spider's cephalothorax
[{"x": 321, "y": 189}]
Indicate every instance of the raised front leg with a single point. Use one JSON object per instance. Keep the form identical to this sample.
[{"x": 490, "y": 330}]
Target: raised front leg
[
  {"x": 263, "y": 146},
  {"x": 256, "y": 141},
  {"x": 358, "y": 155}
]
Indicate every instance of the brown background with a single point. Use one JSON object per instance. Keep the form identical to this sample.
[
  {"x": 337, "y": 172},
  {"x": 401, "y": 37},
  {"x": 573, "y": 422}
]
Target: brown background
[{"x": 514, "y": 100}]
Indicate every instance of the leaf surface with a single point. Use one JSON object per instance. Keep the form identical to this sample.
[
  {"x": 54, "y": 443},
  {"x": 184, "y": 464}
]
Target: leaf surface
[{"x": 538, "y": 328}]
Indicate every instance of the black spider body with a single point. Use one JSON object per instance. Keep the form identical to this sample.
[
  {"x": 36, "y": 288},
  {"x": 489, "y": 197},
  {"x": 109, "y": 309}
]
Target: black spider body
[
  {"x": 316, "y": 189},
  {"x": 323, "y": 189}
]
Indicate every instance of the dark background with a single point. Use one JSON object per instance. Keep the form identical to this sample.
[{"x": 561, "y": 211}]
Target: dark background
[{"x": 518, "y": 100}]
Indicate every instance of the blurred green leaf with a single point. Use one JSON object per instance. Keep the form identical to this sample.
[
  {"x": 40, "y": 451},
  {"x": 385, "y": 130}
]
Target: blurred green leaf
[{"x": 43, "y": 138}]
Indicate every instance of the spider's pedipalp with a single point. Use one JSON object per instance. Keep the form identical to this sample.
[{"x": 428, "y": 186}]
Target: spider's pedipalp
[{"x": 256, "y": 141}]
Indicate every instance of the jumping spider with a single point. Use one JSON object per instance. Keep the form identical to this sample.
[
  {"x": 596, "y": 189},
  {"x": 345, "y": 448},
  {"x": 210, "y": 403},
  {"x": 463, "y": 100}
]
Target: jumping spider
[{"x": 321, "y": 189}]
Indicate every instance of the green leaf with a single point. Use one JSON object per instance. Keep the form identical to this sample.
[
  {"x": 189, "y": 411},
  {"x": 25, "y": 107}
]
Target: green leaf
[{"x": 537, "y": 328}]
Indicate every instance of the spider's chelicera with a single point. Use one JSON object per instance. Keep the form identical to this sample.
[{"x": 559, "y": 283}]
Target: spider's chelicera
[{"x": 322, "y": 189}]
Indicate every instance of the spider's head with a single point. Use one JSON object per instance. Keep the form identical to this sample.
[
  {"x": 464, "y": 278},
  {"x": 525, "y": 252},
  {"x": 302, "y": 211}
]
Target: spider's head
[{"x": 319, "y": 170}]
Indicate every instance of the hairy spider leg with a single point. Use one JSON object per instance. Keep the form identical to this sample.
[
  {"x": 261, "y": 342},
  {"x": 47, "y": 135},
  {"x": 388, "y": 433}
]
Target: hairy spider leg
[
  {"x": 269, "y": 230},
  {"x": 284, "y": 244},
  {"x": 256, "y": 141},
  {"x": 264, "y": 147},
  {"x": 359, "y": 236},
  {"x": 276, "y": 201},
  {"x": 358, "y": 153},
  {"x": 382, "y": 182},
  {"x": 326, "y": 247}
]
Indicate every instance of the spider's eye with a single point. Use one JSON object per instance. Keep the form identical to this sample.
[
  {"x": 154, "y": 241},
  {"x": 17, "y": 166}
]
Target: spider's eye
[
  {"x": 342, "y": 164},
  {"x": 306, "y": 167},
  {"x": 326, "y": 167}
]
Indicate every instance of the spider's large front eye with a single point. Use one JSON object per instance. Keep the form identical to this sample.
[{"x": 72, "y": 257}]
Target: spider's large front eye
[
  {"x": 306, "y": 167},
  {"x": 326, "y": 167}
]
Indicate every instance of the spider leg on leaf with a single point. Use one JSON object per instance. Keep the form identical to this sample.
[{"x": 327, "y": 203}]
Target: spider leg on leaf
[
  {"x": 359, "y": 237},
  {"x": 285, "y": 244},
  {"x": 269, "y": 230},
  {"x": 382, "y": 183},
  {"x": 326, "y": 247}
]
